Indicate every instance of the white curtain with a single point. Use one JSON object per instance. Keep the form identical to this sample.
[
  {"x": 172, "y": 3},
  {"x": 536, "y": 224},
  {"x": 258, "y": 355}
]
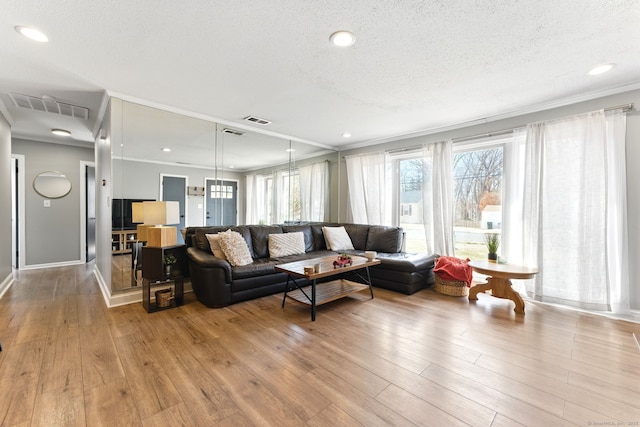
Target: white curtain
[
  {"x": 572, "y": 210},
  {"x": 256, "y": 212},
  {"x": 369, "y": 196},
  {"x": 314, "y": 188},
  {"x": 281, "y": 205},
  {"x": 437, "y": 197},
  {"x": 252, "y": 212}
]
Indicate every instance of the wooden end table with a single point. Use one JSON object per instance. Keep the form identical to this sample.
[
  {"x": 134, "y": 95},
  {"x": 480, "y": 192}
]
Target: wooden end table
[
  {"x": 499, "y": 281},
  {"x": 329, "y": 291}
]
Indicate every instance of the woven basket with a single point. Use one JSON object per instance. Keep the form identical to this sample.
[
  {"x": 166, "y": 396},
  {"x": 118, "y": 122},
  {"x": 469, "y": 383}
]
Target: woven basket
[
  {"x": 454, "y": 289},
  {"x": 163, "y": 298}
]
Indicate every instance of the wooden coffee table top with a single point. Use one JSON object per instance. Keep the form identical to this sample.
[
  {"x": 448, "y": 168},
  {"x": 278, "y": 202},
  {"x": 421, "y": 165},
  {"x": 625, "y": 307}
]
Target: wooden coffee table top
[
  {"x": 507, "y": 271},
  {"x": 326, "y": 266}
]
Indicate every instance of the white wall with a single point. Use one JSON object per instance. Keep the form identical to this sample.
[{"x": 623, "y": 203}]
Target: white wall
[
  {"x": 103, "y": 198},
  {"x": 5, "y": 203},
  {"x": 633, "y": 162}
]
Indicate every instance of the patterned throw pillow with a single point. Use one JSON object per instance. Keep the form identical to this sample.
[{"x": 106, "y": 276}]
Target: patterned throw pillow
[
  {"x": 337, "y": 238},
  {"x": 214, "y": 244},
  {"x": 235, "y": 248},
  {"x": 286, "y": 244}
]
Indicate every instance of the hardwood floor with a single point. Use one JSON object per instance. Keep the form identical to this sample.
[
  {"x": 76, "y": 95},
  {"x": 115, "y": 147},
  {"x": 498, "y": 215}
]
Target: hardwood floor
[{"x": 424, "y": 359}]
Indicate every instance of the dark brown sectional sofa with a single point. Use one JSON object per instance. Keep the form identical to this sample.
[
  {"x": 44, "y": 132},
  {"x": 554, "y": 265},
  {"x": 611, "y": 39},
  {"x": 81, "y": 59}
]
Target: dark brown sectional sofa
[{"x": 217, "y": 284}]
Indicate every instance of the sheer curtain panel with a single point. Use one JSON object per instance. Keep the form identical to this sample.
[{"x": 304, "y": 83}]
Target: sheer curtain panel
[
  {"x": 368, "y": 181},
  {"x": 437, "y": 197},
  {"x": 573, "y": 222},
  {"x": 314, "y": 185}
]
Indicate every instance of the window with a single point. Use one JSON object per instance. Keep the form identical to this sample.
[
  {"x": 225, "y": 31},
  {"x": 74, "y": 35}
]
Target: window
[
  {"x": 478, "y": 184},
  {"x": 276, "y": 198},
  {"x": 221, "y": 192},
  {"x": 411, "y": 177}
]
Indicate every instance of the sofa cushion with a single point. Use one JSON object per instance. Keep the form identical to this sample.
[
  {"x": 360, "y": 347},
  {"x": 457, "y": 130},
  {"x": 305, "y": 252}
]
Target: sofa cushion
[
  {"x": 309, "y": 256},
  {"x": 409, "y": 262},
  {"x": 201, "y": 241},
  {"x": 337, "y": 238},
  {"x": 319, "y": 244},
  {"x": 358, "y": 234},
  {"x": 286, "y": 244},
  {"x": 305, "y": 230},
  {"x": 235, "y": 248},
  {"x": 384, "y": 239},
  {"x": 259, "y": 267},
  {"x": 260, "y": 239},
  {"x": 214, "y": 244},
  {"x": 200, "y": 237}
]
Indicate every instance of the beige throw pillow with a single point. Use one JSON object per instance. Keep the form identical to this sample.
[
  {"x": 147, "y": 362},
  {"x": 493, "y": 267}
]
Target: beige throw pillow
[
  {"x": 214, "y": 244},
  {"x": 337, "y": 238},
  {"x": 286, "y": 244},
  {"x": 235, "y": 248}
]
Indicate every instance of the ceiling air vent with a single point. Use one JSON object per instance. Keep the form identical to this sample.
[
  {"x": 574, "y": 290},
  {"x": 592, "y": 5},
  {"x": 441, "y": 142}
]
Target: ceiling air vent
[
  {"x": 257, "y": 120},
  {"x": 49, "y": 105},
  {"x": 232, "y": 131}
]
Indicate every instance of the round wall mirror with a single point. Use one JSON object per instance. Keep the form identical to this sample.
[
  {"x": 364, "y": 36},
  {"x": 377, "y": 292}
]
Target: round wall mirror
[{"x": 52, "y": 184}]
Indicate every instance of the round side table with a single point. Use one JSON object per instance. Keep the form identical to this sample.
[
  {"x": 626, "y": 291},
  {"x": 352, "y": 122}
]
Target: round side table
[{"x": 499, "y": 281}]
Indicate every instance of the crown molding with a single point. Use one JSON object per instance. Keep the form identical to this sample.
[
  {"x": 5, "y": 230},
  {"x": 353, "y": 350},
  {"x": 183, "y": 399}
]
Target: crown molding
[{"x": 536, "y": 108}]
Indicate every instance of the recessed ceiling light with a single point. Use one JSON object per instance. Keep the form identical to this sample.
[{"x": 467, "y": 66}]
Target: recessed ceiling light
[
  {"x": 231, "y": 167},
  {"x": 166, "y": 150},
  {"x": 290, "y": 150},
  {"x": 601, "y": 69},
  {"x": 60, "y": 132},
  {"x": 346, "y": 135},
  {"x": 343, "y": 38},
  {"x": 33, "y": 34}
]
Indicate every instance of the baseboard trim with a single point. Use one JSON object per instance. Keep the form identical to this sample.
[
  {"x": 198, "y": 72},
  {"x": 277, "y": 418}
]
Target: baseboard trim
[
  {"x": 130, "y": 296},
  {"x": 51, "y": 265},
  {"x": 6, "y": 284}
]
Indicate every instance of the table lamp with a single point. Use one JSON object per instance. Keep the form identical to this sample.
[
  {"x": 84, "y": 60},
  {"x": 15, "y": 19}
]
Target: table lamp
[
  {"x": 156, "y": 217},
  {"x": 137, "y": 217}
]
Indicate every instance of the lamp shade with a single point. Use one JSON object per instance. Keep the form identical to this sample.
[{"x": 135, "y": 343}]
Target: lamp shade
[
  {"x": 161, "y": 213},
  {"x": 137, "y": 213}
]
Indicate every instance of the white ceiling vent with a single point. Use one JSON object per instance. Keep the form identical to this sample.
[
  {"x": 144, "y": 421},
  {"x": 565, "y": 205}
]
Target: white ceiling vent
[
  {"x": 257, "y": 120},
  {"x": 232, "y": 131},
  {"x": 49, "y": 105}
]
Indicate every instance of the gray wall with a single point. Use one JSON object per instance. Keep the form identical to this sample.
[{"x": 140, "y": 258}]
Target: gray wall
[
  {"x": 633, "y": 162},
  {"x": 133, "y": 180},
  {"x": 52, "y": 233},
  {"x": 5, "y": 199}
]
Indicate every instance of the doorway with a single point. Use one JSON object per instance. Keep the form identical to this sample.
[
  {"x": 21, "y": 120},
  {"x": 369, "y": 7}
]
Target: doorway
[
  {"x": 222, "y": 202},
  {"x": 17, "y": 210},
  {"x": 174, "y": 188}
]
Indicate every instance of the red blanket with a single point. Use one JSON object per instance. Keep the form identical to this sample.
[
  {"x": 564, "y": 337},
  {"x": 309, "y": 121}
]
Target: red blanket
[{"x": 454, "y": 269}]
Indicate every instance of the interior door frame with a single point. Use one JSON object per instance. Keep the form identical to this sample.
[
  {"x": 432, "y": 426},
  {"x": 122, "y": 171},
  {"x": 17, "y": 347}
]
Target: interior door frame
[
  {"x": 83, "y": 209},
  {"x": 204, "y": 183},
  {"x": 19, "y": 252}
]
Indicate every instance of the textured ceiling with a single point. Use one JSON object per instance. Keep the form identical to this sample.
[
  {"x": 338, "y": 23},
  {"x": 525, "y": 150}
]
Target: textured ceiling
[{"x": 416, "y": 65}]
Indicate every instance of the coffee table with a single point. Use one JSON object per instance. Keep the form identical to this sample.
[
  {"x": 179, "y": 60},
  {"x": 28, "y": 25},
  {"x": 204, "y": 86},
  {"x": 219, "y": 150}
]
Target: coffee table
[
  {"x": 499, "y": 281},
  {"x": 321, "y": 293}
]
